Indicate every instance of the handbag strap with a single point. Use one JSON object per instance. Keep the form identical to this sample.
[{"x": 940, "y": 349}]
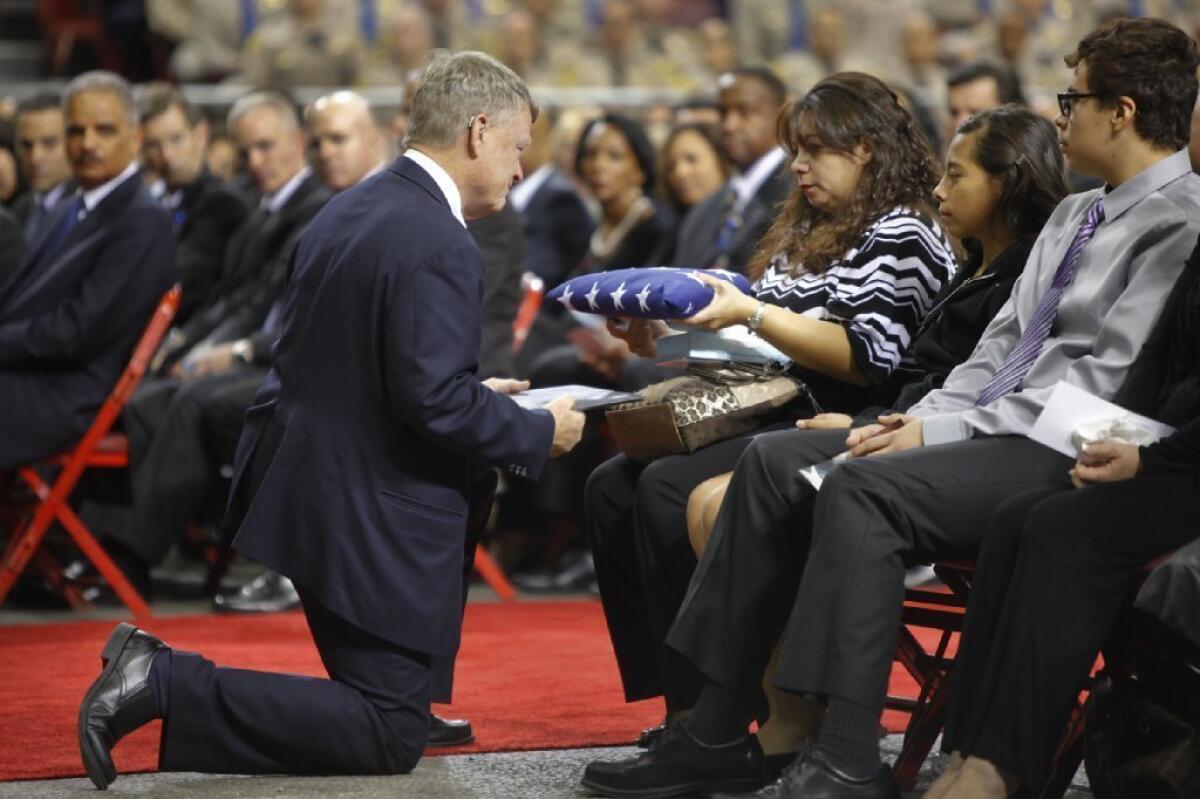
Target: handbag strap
[{"x": 737, "y": 374}]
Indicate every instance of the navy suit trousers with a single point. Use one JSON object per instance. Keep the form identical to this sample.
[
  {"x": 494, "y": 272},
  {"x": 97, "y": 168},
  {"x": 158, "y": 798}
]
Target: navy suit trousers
[{"x": 370, "y": 717}]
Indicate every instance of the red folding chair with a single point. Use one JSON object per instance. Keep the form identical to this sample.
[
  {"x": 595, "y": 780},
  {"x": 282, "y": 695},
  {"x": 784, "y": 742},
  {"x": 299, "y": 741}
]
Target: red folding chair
[
  {"x": 944, "y": 610},
  {"x": 532, "y": 291},
  {"x": 98, "y": 449},
  {"x": 67, "y": 23}
]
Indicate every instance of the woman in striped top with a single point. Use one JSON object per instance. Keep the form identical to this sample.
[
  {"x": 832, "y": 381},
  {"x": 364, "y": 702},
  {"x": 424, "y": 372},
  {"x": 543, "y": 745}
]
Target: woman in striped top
[{"x": 843, "y": 280}]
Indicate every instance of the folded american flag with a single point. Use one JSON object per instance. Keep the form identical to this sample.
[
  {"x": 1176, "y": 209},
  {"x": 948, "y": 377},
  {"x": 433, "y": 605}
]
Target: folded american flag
[{"x": 653, "y": 292}]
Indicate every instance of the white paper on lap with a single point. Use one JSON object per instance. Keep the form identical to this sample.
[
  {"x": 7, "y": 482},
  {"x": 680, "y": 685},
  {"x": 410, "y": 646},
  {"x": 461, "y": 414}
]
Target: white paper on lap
[{"x": 1070, "y": 407}]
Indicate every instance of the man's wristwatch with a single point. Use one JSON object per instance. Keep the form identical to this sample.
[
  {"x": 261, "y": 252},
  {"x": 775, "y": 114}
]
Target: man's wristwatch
[
  {"x": 242, "y": 351},
  {"x": 756, "y": 319}
]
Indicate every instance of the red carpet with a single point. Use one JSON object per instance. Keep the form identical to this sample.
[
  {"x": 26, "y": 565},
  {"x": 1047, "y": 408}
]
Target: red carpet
[{"x": 530, "y": 676}]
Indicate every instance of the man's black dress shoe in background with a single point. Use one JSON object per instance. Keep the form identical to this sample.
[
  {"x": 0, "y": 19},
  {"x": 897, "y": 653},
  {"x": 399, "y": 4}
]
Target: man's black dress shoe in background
[
  {"x": 119, "y": 701},
  {"x": 449, "y": 732},
  {"x": 812, "y": 776},
  {"x": 267, "y": 593},
  {"x": 680, "y": 765}
]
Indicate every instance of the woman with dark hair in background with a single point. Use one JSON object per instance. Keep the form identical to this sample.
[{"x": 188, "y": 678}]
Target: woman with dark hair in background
[
  {"x": 616, "y": 163},
  {"x": 694, "y": 165},
  {"x": 11, "y": 184},
  {"x": 844, "y": 277}
]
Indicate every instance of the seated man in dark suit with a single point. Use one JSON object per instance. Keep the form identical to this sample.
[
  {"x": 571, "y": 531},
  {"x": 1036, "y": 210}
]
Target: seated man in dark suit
[
  {"x": 204, "y": 210},
  {"x": 72, "y": 314},
  {"x": 557, "y": 223},
  {"x": 354, "y": 468},
  {"x": 724, "y": 230},
  {"x": 501, "y": 243},
  {"x": 42, "y": 155},
  {"x": 226, "y": 341}
]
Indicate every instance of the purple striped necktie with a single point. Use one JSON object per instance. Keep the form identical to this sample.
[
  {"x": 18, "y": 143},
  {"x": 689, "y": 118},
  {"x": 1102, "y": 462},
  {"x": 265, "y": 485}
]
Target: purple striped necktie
[{"x": 1018, "y": 363}]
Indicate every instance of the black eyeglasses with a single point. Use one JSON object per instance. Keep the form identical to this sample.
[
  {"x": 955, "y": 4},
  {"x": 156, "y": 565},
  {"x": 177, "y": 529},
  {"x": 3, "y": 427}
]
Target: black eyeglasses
[{"x": 1067, "y": 100}]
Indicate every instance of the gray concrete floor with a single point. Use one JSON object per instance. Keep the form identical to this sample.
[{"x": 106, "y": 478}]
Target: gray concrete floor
[{"x": 519, "y": 775}]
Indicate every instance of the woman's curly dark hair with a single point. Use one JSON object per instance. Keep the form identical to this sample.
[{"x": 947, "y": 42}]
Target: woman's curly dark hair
[{"x": 843, "y": 111}]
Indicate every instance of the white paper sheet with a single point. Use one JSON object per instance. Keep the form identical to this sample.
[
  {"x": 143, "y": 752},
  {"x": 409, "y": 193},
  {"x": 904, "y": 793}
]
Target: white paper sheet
[
  {"x": 1071, "y": 406},
  {"x": 586, "y": 397}
]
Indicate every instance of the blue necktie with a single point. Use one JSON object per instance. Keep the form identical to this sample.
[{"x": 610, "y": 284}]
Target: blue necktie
[
  {"x": 1018, "y": 363},
  {"x": 729, "y": 226}
]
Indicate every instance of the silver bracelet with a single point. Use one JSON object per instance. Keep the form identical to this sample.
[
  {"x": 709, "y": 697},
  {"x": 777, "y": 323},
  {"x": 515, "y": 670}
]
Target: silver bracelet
[{"x": 756, "y": 319}]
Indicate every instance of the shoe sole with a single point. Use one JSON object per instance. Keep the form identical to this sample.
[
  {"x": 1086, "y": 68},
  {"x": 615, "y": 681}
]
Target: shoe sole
[
  {"x": 683, "y": 789},
  {"x": 109, "y": 656},
  {"x": 470, "y": 739}
]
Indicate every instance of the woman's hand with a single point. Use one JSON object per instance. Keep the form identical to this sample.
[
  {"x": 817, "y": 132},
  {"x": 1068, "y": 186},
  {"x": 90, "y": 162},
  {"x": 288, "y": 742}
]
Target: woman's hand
[
  {"x": 729, "y": 305},
  {"x": 1106, "y": 462},
  {"x": 639, "y": 334},
  {"x": 825, "y": 421}
]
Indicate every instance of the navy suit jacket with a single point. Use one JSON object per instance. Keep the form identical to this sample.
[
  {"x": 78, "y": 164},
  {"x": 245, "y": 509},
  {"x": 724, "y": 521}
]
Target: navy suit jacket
[
  {"x": 557, "y": 229},
  {"x": 69, "y": 323},
  {"x": 372, "y": 416},
  {"x": 205, "y": 223}
]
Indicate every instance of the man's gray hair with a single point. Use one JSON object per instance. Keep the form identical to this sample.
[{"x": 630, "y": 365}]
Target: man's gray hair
[
  {"x": 282, "y": 106},
  {"x": 455, "y": 87},
  {"x": 99, "y": 80}
]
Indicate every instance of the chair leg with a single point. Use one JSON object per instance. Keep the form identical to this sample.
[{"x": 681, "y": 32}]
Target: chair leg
[
  {"x": 928, "y": 709},
  {"x": 923, "y": 729},
  {"x": 218, "y": 566},
  {"x": 103, "y": 563},
  {"x": 493, "y": 575},
  {"x": 25, "y": 540}
]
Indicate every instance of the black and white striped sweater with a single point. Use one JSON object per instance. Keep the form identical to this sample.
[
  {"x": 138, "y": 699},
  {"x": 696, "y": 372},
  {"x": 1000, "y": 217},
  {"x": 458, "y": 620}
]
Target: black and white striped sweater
[{"x": 880, "y": 290}]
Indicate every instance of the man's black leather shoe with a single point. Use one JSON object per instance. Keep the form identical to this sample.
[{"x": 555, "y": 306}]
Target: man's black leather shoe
[
  {"x": 679, "y": 765},
  {"x": 449, "y": 732},
  {"x": 267, "y": 593},
  {"x": 119, "y": 701},
  {"x": 812, "y": 776}
]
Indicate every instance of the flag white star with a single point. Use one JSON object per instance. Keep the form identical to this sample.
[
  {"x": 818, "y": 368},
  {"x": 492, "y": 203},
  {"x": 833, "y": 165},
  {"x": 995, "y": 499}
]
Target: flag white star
[
  {"x": 617, "y": 295},
  {"x": 642, "y": 296},
  {"x": 565, "y": 299},
  {"x": 696, "y": 278},
  {"x": 687, "y": 311},
  {"x": 592, "y": 295}
]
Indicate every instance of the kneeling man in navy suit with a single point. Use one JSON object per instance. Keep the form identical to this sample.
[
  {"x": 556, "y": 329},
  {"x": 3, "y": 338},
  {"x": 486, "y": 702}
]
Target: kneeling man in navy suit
[{"x": 354, "y": 466}]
